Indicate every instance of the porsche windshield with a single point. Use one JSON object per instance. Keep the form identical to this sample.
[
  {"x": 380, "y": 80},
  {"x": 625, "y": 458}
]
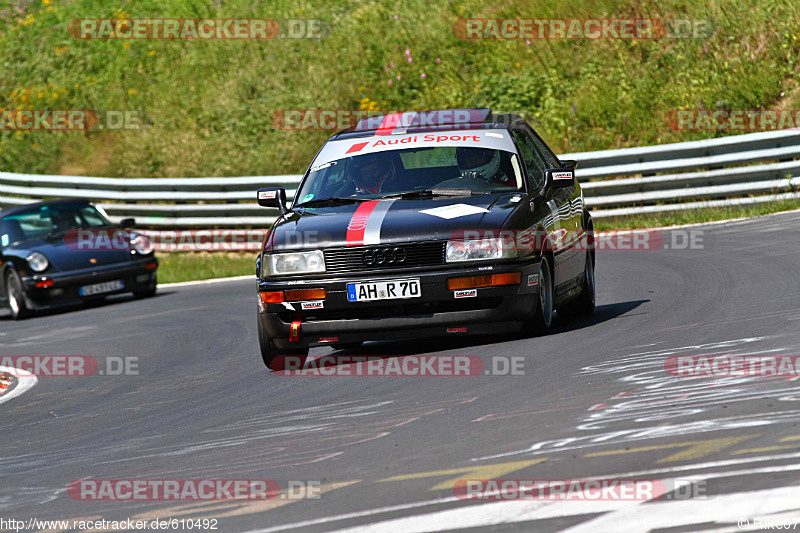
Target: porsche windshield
[
  {"x": 47, "y": 220},
  {"x": 392, "y": 172}
]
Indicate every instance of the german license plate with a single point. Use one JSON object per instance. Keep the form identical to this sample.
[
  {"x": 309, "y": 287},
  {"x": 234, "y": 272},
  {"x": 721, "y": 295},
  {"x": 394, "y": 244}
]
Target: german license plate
[
  {"x": 395, "y": 289},
  {"x": 100, "y": 288}
]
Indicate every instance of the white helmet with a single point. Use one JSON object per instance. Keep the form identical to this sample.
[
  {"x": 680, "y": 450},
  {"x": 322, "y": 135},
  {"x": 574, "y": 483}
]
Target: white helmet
[{"x": 478, "y": 162}]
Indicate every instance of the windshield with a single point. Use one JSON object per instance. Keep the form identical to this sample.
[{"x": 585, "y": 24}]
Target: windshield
[
  {"x": 47, "y": 220},
  {"x": 391, "y": 172}
]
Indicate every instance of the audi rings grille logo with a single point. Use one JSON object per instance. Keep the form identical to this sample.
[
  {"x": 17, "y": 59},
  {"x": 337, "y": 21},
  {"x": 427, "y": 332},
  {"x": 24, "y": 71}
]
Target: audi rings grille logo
[{"x": 384, "y": 256}]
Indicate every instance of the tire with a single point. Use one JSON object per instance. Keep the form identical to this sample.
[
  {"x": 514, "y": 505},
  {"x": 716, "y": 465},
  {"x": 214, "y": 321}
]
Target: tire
[
  {"x": 583, "y": 304},
  {"x": 270, "y": 351},
  {"x": 146, "y": 293},
  {"x": 543, "y": 314},
  {"x": 16, "y": 297}
]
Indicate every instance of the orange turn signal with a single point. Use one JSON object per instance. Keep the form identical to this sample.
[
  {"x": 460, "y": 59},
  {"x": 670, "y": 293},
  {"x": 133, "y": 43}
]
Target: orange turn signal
[
  {"x": 485, "y": 280},
  {"x": 297, "y": 295},
  {"x": 509, "y": 278},
  {"x": 458, "y": 284},
  {"x": 275, "y": 297}
]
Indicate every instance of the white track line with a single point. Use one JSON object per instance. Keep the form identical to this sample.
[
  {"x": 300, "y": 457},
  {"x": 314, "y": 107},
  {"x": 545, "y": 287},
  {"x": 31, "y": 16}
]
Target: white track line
[
  {"x": 25, "y": 380},
  {"x": 207, "y": 281},
  {"x": 628, "y": 515},
  {"x": 626, "y": 475}
]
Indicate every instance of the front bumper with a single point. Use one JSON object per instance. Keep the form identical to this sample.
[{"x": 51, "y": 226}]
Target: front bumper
[
  {"x": 437, "y": 312},
  {"x": 139, "y": 275}
]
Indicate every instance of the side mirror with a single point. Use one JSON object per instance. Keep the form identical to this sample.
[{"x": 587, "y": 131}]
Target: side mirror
[
  {"x": 273, "y": 197},
  {"x": 559, "y": 178},
  {"x": 127, "y": 223},
  {"x": 569, "y": 163}
]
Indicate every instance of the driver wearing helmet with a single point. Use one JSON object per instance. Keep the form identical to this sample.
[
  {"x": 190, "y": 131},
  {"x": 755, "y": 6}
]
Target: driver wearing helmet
[
  {"x": 481, "y": 163},
  {"x": 373, "y": 173}
]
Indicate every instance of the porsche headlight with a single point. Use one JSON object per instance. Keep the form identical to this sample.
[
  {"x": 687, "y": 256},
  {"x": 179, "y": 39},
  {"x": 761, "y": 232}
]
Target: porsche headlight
[
  {"x": 478, "y": 249},
  {"x": 38, "y": 262},
  {"x": 141, "y": 243},
  {"x": 292, "y": 263}
]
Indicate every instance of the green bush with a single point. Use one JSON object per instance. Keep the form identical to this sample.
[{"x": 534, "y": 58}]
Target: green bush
[{"x": 209, "y": 104}]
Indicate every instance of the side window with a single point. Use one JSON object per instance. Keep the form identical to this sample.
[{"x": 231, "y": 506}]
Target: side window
[
  {"x": 91, "y": 217},
  {"x": 549, "y": 157},
  {"x": 533, "y": 161}
]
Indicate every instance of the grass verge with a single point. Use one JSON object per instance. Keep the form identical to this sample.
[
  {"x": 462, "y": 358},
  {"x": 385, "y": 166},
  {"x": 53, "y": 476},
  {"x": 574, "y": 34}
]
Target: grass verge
[
  {"x": 175, "y": 267},
  {"x": 692, "y": 216}
]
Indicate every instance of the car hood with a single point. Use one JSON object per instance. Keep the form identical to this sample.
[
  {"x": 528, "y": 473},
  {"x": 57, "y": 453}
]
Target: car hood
[
  {"x": 63, "y": 258},
  {"x": 390, "y": 221}
]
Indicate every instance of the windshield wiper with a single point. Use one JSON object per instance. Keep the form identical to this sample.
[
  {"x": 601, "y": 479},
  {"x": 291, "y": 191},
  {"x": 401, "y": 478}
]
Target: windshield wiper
[
  {"x": 332, "y": 200},
  {"x": 429, "y": 193}
]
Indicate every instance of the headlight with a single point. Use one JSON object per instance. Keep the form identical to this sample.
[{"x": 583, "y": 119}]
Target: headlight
[
  {"x": 479, "y": 249},
  {"x": 141, "y": 244},
  {"x": 293, "y": 263},
  {"x": 38, "y": 262}
]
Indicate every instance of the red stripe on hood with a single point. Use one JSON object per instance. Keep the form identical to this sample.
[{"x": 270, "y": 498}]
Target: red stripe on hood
[{"x": 358, "y": 223}]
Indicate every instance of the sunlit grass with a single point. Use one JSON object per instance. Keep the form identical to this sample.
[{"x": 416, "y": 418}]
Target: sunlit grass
[{"x": 188, "y": 266}]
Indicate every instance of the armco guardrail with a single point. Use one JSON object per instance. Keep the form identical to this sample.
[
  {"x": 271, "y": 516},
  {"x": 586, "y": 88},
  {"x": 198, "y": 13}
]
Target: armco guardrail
[{"x": 733, "y": 170}]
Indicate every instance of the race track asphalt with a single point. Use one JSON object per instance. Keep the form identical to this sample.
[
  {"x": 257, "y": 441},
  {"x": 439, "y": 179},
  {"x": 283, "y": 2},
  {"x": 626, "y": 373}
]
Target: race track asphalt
[{"x": 594, "y": 400}]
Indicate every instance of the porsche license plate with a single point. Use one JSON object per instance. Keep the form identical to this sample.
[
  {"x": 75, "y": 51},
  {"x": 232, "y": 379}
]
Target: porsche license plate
[{"x": 100, "y": 288}]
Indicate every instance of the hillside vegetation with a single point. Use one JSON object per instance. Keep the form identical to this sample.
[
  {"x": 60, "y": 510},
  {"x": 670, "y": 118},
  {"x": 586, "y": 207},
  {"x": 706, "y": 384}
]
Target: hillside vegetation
[{"x": 209, "y": 104}]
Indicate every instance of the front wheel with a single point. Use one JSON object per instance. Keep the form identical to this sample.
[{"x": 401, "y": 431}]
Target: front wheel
[
  {"x": 146, "y": 293},
  {"x": 543, "y": 314},
  {"x": 16, "y": 297},
  {"x": 270, "y": 351}
]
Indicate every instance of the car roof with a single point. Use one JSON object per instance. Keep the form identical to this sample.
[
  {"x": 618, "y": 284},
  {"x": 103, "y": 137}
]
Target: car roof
[
  {"x": 23, "y": 208},
  {"x": 429, "y": 121}
]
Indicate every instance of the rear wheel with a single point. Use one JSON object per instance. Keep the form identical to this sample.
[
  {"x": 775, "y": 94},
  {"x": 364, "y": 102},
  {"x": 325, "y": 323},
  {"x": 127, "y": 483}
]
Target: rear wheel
[
  {"x": 270, "y": 351},
  {"x": 543, "y": 313},
  {"x": 16, "y": 296},
  {"x": 584, "y": 303}
]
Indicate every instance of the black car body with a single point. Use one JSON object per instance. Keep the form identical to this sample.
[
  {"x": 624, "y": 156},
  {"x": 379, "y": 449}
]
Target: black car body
[
  {"x": 363, "y": 252},
  {"x": 43, "y": 266}
]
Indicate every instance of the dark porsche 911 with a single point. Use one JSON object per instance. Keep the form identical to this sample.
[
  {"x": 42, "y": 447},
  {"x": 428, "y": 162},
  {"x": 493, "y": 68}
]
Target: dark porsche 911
[
  {"x": 66, "y": 251},
  {"x": 412, "y": 227}
]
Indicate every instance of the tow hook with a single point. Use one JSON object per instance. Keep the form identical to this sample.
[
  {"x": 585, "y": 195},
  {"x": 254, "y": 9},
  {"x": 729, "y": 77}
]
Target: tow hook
[{"x": 294, "y": 331}]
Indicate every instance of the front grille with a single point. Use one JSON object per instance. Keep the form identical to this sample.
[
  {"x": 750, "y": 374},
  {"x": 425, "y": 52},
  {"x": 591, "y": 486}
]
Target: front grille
[{"x": 384, "y": 257}]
